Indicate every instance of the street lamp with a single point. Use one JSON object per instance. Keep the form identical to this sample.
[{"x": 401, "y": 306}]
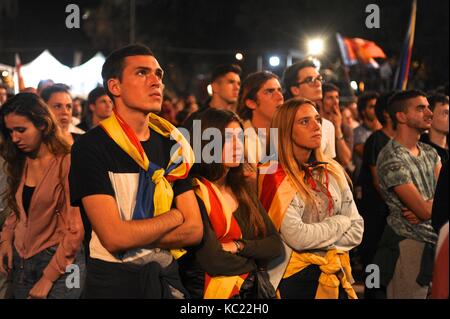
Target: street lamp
[
  {"x": 239, "y": 56},
  {"x": 315, "y": 46},
  {"x": 274, "y": 61}
]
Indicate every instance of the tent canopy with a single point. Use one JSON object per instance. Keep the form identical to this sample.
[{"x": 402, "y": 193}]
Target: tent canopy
[{"x": 81, "y": 79}]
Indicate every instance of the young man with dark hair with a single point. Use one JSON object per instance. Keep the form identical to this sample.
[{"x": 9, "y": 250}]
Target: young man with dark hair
[
  {"x": 225, "y": 84},
  {"x": 100, "y": 107},
  {"x": 369, "y": 124},
  {"x": 438, "y": 133},
  {"x": 408, "y": 170},
  {"x": 330, "y": 110},
  {"x": 129, "y": 176},
  {"x": 371, "y": 205}
]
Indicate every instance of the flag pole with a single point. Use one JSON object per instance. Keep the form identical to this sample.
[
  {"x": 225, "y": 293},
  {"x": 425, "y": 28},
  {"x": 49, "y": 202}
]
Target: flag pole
[
  {"x": 402, "y": 73},
  {"x": 345, "y": 68}
]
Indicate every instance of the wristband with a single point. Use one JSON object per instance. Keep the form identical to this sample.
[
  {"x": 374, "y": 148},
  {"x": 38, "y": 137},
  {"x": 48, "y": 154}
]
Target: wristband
[{"x": 238, "y": 246}]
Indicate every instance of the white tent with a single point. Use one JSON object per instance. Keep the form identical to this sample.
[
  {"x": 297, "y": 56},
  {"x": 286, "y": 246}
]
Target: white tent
[
  {"x": 81, "y": 79},
  {"x": 45, "y": 66},
  {"x": 87, "y": 76}
]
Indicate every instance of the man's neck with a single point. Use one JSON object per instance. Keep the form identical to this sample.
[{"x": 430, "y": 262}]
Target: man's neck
[
  {"x": 219, "y": 103},
  {"x": 388, "y": 130},
  {"x": 95, "y": 120},
  {"x": 371, "y": 125},
  {"x": 260, "y": 122},
  {"x": 325, "y": 115},
  {"x": 438, "y": 138},
  {"x": 408, "y": 137},
  {"x": 138, "y": 121}
]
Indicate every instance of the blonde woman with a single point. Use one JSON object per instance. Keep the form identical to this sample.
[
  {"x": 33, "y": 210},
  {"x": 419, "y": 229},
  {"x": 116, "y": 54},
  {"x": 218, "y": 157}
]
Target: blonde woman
[{"x": 310, "y": 203}]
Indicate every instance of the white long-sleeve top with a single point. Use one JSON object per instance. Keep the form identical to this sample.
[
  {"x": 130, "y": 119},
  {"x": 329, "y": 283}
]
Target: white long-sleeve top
[{"x": 307, "y": 227}]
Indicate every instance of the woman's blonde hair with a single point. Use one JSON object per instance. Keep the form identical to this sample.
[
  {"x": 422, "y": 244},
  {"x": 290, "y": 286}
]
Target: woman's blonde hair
[{"x": 283, "y": 120}]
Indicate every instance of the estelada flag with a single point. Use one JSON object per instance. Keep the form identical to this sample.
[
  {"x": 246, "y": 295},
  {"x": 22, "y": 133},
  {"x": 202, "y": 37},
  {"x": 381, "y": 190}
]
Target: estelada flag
[
  {"x": 275, "y": 191},
  {"x": 354, "y": 50}
]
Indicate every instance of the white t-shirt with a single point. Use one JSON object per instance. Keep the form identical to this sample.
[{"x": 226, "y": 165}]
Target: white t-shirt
[{"x": 328, "y": 139}]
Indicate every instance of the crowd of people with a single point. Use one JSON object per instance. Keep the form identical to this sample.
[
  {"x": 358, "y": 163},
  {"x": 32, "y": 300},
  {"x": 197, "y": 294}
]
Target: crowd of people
[{"x": 298, "y": 188}]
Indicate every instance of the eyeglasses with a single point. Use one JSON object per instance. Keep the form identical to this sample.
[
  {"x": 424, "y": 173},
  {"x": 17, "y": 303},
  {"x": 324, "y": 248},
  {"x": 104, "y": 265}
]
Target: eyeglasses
[{"x": 311, "y": 80}]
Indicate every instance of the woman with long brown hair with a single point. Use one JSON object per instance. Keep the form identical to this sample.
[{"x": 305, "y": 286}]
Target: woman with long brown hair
[
  {"x": 310, "y": 203},
  {"x": 239, "y": 238},
  {"x": 42, "y": 236}
]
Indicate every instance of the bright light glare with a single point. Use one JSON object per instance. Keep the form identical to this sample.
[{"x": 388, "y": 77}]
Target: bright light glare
[
  {"x": 5, "y": 73},
  {"x": 315, "y": 46},
  {"x": 354, "y": 85},
  {"x": 209, "y": 89},
  {"x": 274, "y": 61},
  {"x": 239, "y": 56}
]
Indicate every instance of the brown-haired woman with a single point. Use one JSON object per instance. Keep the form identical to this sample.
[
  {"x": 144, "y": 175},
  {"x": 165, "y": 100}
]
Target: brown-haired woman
[
  {"x": 239, "y": 238},
  {"x": 43, "y": 234},
  {"x": 310, "y": 203}
]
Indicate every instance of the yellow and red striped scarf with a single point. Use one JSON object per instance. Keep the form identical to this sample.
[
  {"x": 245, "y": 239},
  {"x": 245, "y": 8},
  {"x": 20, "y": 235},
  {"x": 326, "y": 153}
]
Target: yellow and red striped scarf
[
  {"x": 276, "y": 192},
  {"x": 227, "y": 229},
  {"x": 159, "y": 185}
]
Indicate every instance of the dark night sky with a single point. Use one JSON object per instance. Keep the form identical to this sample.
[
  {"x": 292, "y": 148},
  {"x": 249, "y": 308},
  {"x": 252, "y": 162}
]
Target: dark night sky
[{"x": 189, "y": 36}]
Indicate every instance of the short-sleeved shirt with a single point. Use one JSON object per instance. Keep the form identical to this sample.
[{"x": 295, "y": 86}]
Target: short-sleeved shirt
[
  {"x": 328, "y": 145},
  {"x": 397, "y": 166},
  {"x": 100, "y": 166},
  {"x": 371, "y": 199},
  {"x": 360, "y": 135}
]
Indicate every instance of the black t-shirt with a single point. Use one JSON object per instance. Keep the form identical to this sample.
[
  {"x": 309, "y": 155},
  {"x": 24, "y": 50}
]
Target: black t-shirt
[
  {"x": 371, "y": 199},
  {"x": 443, "y": 152},
  {"x": 439, "y": 215},
  {"x": 97, "y": 163}
]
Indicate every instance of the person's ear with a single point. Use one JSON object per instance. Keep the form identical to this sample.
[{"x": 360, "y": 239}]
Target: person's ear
[
  {"x": 250, "y": 104},
  {"x": 45, "y": 129},
  {"x": 214, "y": 87},
  {"x": 114, "y": 86},
  {"x": 401, "y": 117},
  {"x": 295, "y": 91},
  {"x": 92, "y": 107}
]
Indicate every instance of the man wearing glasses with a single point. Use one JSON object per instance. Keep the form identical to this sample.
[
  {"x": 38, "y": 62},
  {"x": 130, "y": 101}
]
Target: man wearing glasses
[{"x": 303, "y": 80}]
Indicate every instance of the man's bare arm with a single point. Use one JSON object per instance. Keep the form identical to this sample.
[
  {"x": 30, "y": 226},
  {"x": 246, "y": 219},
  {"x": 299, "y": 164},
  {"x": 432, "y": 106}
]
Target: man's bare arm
[
  {"x": 191, "y": 231},
  {"x": 412, "y": 199},
  {"x": 437, "y": 170},
  {"x": 375, "y": 178},
  {"x": 344, "y": 155},
  {"x": 118, "y": 235},
  {"x": 359, "y": 149}
]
